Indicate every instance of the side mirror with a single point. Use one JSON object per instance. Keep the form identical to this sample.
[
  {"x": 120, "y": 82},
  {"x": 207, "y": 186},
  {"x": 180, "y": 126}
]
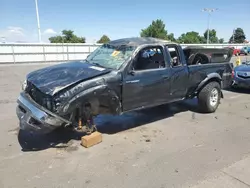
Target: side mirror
[{"x": 131, "y": 72}]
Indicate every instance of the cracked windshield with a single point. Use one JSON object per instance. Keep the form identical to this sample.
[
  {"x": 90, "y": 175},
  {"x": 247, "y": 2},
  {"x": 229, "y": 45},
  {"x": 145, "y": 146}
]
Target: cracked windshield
[{"x": 109, "y": 56}]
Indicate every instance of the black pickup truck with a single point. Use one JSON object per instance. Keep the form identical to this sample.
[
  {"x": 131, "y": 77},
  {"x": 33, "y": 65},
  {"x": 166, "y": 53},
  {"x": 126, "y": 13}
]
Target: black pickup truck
[{"x": 120, "y": 76}]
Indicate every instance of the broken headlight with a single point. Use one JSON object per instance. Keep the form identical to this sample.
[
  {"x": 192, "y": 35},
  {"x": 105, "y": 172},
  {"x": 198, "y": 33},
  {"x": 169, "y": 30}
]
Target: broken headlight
[
  {"x": 24, "y": 85},
  {"x": 49, "y": 104}
]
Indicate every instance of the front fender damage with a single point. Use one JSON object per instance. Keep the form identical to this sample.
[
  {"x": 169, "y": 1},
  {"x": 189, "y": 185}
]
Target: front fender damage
[
  {"x": 101, "y": 98},
  {"x": 85, "y": 105}
]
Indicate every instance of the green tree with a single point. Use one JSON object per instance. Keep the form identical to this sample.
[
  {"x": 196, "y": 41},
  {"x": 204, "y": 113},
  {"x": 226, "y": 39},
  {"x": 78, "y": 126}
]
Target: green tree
[
  {"x": 104, "y": 39},
  {"x": 56, "y": 39},
  {"x": 221, "y": 40},
  {"x": 190, "y": 38},
  {"x": 238, "y": 36},
  {"x": 212, "y": 36},
  {"x": 171, "y": 37},
  {"x": 156, "y": 29},
  {"x": 68, "y": 36},
  {"x": 203, "y": 40}
]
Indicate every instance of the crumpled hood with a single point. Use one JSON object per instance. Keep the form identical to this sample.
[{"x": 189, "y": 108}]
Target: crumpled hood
[{"x": 52, "y": 79}]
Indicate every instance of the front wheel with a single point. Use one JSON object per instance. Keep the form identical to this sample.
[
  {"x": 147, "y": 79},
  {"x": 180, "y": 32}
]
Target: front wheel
[{"x": 209, "y": 97}]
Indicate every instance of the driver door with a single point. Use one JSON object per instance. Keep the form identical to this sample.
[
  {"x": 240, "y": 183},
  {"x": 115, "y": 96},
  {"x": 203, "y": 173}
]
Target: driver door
[{"x": 147, "y": 82}]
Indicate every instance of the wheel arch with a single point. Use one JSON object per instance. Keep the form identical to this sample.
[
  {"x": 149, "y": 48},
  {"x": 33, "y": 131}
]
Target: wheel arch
[
  {"x": 213, "y": 77},
  {"x": 101, "y": 98}
]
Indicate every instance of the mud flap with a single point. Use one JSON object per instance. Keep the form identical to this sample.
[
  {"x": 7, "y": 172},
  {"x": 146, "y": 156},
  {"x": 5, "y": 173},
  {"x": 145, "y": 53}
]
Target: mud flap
[{"x": 222, "y": 95}]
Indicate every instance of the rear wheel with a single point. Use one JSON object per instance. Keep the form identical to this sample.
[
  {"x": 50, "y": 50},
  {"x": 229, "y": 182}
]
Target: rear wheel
[{"x": 209, "y": 97}]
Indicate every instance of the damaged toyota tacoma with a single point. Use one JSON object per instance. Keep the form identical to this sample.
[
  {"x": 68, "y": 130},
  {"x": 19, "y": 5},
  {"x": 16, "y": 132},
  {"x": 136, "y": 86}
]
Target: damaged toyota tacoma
[{"x": 120, "y": 76}]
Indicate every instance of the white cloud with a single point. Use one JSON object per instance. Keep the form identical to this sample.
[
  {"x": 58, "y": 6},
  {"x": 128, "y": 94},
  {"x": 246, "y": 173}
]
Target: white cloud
[
  {"x": 15, "y": 30},
  {"x": 18, "y": 34},
  {"x": 13, "y": 34},
  {"x": 49, "y": 31}
]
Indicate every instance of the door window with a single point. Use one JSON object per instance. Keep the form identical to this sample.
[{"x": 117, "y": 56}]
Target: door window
[
  {"x": 175, "y": 58},
  {"x": 149, "y": 58}
]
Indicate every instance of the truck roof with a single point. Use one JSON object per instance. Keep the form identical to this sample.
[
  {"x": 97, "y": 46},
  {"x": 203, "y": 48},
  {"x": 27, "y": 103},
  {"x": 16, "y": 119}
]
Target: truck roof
[{"x": 137, "y": 41}]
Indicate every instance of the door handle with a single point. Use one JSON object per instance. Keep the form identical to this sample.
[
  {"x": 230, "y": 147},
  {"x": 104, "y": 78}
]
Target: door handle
[{"x": 165, "y": 77}]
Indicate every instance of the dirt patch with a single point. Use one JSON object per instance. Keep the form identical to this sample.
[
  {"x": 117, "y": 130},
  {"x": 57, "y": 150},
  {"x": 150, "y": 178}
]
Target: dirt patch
[
  {"x": 68, "y": 147},
  {"x": 15, "y": 131},
  {"x": 6, "y": 101}
]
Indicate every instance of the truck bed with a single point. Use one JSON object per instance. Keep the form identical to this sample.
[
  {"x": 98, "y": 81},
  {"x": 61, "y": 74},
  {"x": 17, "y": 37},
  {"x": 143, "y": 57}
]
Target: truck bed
[
  {"x": 199, "y": 55},
  {"x": 198, "y": 73}
]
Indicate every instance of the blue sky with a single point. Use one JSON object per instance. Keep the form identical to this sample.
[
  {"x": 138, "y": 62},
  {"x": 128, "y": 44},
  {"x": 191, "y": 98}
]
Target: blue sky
[{"x": 117, "y": 19}]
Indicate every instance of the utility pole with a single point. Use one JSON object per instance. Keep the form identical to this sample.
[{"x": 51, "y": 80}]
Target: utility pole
[
  {"x": 209, "y": 10},
  {"x": 38, "y": 23}
]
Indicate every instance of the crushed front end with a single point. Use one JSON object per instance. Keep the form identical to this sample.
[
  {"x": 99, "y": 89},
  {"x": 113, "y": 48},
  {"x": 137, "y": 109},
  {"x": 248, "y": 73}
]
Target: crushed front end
[{"x": 35, "y": 111}]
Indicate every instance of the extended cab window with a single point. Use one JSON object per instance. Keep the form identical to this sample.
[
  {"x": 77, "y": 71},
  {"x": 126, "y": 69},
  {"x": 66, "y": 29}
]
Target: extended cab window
[
  {"x": 175, "y": 58},
  {"x": 149, "y": 58}
]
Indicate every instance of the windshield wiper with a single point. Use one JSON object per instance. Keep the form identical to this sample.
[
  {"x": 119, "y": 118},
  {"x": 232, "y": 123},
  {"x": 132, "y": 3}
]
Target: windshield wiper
[
  {"x": 93, "y": 63},
  {"x": 98, "y": 65},
  {"x": 87, "y": 61}
]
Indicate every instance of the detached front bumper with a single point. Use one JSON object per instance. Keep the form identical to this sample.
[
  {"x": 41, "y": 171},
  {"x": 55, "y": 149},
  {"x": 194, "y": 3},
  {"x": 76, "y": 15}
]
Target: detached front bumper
[{"x": 35, "y": 118}]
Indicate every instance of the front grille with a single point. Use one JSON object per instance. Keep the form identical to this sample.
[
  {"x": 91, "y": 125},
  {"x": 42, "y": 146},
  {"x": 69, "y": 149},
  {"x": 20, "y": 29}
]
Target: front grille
[
  {"x": 244, "y": 77},
  {"x": 243, "y": 74},
  {"x": 39, "y": 97}
]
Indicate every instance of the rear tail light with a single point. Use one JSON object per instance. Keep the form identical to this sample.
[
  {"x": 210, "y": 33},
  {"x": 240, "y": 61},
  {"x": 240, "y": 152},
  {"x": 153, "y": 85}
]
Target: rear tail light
[{"x": 233, "y": 74}]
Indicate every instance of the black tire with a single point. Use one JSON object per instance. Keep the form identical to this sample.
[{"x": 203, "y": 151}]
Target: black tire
[
  {"x": 204, "y": 97},
  {"x": 200, "y": 58}
]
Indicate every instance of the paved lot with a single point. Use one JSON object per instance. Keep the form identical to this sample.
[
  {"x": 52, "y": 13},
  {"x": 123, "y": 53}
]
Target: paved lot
[{"x": 168, "y": 146}]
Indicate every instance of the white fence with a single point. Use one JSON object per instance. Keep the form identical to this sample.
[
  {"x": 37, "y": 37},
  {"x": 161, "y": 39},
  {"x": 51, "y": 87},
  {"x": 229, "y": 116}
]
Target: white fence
[{"x": 40, "y": 53}]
